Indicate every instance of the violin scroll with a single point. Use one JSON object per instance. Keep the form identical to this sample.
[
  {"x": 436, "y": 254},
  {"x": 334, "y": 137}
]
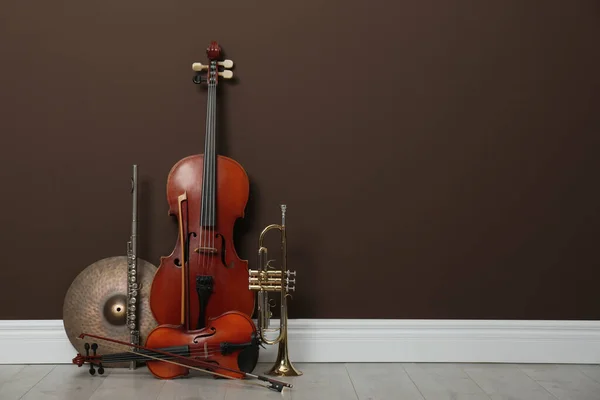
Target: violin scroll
[
  {"x": 93, "y": 360},
  {"x": 212, "y": 69},
  {"x": 213, "y": 51}
]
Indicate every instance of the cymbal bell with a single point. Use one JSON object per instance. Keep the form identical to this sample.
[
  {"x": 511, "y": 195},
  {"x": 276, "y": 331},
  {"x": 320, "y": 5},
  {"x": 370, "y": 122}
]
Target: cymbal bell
[{"x": 96, "y": 303}]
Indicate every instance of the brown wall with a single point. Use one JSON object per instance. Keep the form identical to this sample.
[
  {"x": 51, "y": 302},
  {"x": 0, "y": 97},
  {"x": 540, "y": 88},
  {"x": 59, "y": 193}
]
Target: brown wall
[{"x": 438, "y": 159}]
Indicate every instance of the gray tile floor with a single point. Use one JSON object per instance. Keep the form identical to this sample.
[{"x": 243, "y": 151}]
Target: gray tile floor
[{"x": 405, "y": 381}]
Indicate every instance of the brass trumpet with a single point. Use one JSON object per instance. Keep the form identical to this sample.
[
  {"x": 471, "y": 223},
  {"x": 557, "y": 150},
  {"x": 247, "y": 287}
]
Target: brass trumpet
[{"x": 265, "y": 280}]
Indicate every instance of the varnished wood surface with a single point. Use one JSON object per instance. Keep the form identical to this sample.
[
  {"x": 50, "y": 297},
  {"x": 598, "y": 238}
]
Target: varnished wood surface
[
  {"x": 204, "y": 344},
  {"x": 230, "y": 282},
  {"x": 320, "y": 381}
]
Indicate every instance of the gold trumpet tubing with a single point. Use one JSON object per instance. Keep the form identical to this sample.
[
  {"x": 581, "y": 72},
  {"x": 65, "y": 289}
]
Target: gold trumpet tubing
[
  {"x": 264, "y": 232},
  {"x": 254, "y": 272},
  {"x": 263, "y": 281},
  {"x": 266, "y": 288},
  {"x": 264, "y": 313}
]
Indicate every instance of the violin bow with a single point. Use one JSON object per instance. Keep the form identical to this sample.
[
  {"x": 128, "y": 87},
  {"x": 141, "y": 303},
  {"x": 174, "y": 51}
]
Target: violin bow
[{"x": 273, "y": 383}]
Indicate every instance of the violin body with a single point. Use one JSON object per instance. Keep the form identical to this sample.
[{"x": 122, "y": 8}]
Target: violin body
[
  {"x": 229, "y": 273},
  {"x": 229, "y": 340}
]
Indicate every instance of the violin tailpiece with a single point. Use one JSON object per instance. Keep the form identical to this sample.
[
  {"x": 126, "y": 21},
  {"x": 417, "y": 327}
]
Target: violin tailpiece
[{"x": 204, "y": 288}]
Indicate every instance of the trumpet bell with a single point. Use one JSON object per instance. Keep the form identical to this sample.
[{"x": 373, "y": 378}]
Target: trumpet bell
[{"x": 283, "y": 366}]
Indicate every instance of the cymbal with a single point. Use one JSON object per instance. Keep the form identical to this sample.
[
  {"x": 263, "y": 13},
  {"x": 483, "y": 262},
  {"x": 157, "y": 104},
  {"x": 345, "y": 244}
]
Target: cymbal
[{"x": 96, "y": 303}]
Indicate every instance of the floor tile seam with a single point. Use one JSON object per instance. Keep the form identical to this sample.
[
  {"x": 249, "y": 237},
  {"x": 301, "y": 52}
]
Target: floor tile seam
[
  {"x": 108, "y": 370},
  {"x": 38, "y": 382},
  {"x": 583, "y": 372},
  {"x": 15, "y": 373},
  {"x": 413, "y": 382},
  {"x": 104, "y": 377},
  {"x": 158, "y": 392},
  {"x": 107, "y": 376},
  {"x": 351, "y": 381},
  {"x": 474, "y": 381},
  {"x": 536, "y": 382}
]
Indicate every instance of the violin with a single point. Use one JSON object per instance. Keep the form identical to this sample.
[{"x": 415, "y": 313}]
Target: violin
[
  {"x": 165, "y": 357},
  {"x": 229, "y": 342},
  {"x": 223, "y": 345},
  {"x": 217, "y": 189}
]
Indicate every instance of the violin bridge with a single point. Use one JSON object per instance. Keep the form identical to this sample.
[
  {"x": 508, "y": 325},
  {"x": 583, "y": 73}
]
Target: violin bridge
[{"x": 207, "y": 250}]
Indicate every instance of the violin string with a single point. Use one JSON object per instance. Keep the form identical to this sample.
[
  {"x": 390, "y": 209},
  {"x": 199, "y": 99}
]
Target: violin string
[
  {"x": 213, "y": 164},
  {"x": 206, "y": 189},
  {"x": 206, "y": 182},
  {"x": 201, "y": 238},
  {"x": 124, "y": 357},
  {"x": 144, "y": 356}
]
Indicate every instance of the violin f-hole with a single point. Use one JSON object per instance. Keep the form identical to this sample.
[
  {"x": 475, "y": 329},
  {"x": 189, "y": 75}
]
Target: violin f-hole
[
  {"x": 187, "y": 245},
  {"x": 209, "y": 334},
  {"x": 223, "y": 251}
]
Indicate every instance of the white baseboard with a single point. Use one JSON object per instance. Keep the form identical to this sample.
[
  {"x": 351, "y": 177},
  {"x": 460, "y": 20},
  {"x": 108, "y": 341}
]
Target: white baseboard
[{"x": 351, "y": 340}]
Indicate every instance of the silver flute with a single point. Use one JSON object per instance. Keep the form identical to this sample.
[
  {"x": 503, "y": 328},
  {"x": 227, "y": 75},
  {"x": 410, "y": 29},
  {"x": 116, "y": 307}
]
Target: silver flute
[{"x": 132, "y": 284}]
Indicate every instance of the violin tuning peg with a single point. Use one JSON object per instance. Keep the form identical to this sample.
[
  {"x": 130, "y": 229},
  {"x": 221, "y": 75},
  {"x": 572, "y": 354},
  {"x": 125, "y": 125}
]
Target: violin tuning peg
[
  {"x": 226, "y": 63},
  {"x": 199, "y": 67},
  {"x": 198, "y": 79},
  {"x": 226, "y": 74}
]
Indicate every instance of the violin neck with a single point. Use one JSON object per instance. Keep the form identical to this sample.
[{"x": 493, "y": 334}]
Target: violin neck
[{"x": 207, "y": 216}]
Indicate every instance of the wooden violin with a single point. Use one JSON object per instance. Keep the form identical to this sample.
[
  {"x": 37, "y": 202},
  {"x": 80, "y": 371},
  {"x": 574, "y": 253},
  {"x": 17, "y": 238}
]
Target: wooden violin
[
  {"x": 229, "y": 342},
  {"x": 217, "y": 190},
  {"x": 174, "y": 357}
]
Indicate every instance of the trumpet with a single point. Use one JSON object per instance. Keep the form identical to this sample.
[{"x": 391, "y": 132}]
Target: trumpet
[{"x": 265, "y": 280}]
